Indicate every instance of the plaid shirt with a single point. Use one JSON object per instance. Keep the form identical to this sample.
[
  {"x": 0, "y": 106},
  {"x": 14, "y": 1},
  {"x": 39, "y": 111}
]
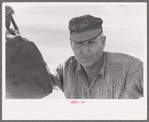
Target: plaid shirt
[{"x": 121, "y": 77}]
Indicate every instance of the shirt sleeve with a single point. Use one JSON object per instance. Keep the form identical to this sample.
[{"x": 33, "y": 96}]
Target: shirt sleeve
[
  {"x": 59, "y": 71},
  {"x": 134, "y": 80}
]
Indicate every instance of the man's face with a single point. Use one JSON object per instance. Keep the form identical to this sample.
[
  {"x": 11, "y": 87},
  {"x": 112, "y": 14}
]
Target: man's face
[{"x": 89, "y": 52}]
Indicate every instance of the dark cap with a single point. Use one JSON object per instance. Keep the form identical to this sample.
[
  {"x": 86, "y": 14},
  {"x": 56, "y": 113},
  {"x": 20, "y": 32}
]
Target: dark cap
[{"x": 84, "y": 28}]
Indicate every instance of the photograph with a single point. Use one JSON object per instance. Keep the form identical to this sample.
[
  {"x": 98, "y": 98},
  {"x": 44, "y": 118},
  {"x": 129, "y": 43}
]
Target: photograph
[{"x": 76, "y": 52}]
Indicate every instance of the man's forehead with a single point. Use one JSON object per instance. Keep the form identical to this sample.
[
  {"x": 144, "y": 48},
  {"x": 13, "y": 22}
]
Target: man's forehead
[{"x": 83, "y": 41}]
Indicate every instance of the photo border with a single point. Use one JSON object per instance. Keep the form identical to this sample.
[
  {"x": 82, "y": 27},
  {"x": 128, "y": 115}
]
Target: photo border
[{"x": 64, "y": 1}]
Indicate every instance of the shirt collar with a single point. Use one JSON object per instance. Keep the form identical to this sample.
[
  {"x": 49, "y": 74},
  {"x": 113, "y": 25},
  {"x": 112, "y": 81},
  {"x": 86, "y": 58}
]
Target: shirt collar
[
  {"x": 102, "y": 71},
  {"x": 79, "y": 67}
]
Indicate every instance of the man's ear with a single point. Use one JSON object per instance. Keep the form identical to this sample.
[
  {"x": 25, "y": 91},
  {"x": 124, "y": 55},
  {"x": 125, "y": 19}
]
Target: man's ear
[
  {"x": 103, "y": 41},
  {"x": 71, "y": 44}
]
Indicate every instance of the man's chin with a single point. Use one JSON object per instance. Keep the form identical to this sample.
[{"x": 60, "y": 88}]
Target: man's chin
[{"x": 85, "y": 65}]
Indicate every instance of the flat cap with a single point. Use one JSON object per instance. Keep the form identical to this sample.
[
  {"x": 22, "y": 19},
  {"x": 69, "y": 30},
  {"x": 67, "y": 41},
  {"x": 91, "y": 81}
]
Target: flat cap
[{"x": 84, "y": 28}]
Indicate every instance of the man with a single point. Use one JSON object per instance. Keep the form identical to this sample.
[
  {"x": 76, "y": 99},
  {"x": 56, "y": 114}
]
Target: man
[{"x": 92, "y": 73}]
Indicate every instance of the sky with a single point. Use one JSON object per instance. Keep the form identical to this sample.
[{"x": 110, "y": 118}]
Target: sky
[
  {"x": 61, "y": 13},
  {"x": 46, "y": 24}
]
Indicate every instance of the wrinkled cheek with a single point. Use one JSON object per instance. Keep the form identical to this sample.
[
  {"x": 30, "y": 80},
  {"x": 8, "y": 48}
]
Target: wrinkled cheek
[{"x": 77, "y": 55}]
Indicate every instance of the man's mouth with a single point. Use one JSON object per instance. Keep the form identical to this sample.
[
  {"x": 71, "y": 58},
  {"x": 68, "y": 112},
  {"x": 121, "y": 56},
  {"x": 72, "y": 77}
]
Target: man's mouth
[{"x": 86, "y": 57}]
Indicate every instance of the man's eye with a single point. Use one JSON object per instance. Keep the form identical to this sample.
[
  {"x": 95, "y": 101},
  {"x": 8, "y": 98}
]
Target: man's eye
[
  {"x": 80, "y": 43},
  {"x": 92, "y": 42}
]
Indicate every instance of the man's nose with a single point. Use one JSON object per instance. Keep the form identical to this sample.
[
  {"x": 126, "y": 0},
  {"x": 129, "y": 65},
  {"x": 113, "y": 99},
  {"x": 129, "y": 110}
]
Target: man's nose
[{"x": 84, "y": 48}]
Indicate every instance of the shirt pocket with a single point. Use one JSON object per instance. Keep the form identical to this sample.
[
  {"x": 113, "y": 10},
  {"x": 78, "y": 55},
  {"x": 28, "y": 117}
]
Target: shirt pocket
[{"x": 105, "y": 89}]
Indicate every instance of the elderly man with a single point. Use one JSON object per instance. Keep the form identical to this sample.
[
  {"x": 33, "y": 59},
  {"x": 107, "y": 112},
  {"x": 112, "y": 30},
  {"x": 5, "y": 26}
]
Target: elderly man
[{"x": 92, "y": 73}]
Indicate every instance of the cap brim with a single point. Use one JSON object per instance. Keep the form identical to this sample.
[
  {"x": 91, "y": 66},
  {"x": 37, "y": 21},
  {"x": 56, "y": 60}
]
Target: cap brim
[{"x": 84, "y": 36}]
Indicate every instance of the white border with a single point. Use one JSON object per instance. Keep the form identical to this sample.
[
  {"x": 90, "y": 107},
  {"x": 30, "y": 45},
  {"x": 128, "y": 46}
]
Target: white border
[{"x": 47, "y": 109}]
